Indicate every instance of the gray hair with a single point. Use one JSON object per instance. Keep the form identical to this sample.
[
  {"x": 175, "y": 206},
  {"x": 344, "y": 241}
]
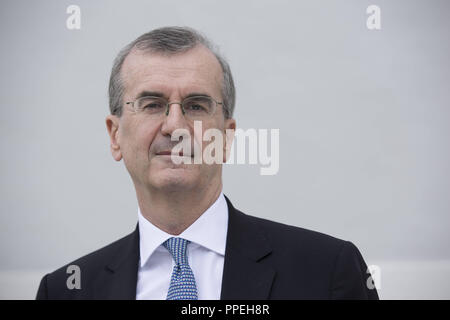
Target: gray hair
[{"x": 169, "y": 40}]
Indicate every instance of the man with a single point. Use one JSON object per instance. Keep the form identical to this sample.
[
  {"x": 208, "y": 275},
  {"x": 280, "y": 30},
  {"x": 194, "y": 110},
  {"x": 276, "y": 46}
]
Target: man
[{"x": 190, "y": 242}]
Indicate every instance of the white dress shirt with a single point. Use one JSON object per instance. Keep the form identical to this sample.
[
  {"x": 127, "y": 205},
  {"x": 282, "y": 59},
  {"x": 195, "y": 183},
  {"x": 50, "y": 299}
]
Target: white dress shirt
[{"x": 206, "y": 252}]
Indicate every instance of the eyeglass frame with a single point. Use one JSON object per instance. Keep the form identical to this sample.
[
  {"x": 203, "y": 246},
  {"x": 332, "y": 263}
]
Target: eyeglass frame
[{"x": 168, "y": 104}]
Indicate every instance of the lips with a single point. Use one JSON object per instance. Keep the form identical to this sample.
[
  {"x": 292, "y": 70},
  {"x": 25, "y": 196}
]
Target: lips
[
  {"x": 164, "y": 153},
  {"x": 169, "y": 153}
]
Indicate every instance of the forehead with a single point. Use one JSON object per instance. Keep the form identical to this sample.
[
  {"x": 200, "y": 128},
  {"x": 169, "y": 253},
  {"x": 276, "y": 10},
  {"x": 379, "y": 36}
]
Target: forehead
[{"x": 196, "y": 70}]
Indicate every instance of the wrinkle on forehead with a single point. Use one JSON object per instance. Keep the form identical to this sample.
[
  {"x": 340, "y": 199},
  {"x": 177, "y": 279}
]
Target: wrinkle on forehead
[{"x": 194, "y": 70}]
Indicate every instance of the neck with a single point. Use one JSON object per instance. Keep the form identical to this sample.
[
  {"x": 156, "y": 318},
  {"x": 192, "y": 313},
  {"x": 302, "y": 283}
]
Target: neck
[{"x": 173, "y": 212}]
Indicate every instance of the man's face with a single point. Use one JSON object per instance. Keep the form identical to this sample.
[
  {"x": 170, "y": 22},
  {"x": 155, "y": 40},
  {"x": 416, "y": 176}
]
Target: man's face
[{"x": 142, "y": 142}]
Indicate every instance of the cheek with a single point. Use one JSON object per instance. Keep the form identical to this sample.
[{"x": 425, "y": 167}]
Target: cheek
[
  {"x": 137, "y": 139},
  {"x": 217, "y": 124},
  {"x": 213, "y": 140}
]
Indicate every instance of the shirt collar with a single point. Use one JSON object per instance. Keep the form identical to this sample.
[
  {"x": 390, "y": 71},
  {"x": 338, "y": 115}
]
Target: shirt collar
[{"x": 209, "y": 231}]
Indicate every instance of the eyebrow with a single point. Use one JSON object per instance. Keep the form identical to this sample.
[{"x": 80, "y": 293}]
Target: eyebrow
[{"x": 162, "y": 95}]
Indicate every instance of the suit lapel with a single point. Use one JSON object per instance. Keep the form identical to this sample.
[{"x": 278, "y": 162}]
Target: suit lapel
[
  {"x": 120, "y": 275},
  {"x": 245, "y": 275}
]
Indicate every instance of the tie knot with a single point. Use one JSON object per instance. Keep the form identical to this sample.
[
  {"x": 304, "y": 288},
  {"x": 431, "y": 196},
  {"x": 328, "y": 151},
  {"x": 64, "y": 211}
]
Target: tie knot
[{"x": 177, "y": 248}]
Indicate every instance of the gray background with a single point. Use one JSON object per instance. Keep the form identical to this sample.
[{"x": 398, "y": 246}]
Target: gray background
[{"x": 363, "y": 117}]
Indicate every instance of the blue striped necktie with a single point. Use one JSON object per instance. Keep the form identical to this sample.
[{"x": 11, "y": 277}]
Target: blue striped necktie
[{"x": 182, "y": 283}]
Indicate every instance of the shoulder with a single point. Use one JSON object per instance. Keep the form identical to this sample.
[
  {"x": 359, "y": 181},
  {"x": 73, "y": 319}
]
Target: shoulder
[
  {"x": 326, "y": 266},
  {"x": 294, "y": 245},
  {"x": 90, "y": 265},
  {"x": 289, "y": 236},
  {"x": 99, "y": 257}
]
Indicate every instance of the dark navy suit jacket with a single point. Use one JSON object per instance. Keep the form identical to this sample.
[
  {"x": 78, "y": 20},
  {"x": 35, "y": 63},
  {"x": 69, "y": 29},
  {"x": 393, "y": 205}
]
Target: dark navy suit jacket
[{"x": 263, "y": 260}]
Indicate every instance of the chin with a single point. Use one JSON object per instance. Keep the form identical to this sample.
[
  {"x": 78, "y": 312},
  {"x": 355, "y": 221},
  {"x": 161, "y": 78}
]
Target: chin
[{"x": 174, "y": 179}]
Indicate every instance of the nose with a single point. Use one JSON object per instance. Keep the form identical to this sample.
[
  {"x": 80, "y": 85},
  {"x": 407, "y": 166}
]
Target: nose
[{"x": 174, "y": 120}]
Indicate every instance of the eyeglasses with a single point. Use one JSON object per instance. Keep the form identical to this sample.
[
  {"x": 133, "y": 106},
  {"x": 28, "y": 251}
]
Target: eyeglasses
[{"x": 194, "y": 108}]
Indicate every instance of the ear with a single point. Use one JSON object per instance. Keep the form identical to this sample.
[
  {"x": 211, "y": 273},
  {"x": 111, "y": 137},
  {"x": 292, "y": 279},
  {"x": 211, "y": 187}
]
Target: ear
[
  {"x": 112, "y": 125},
  {"x": 230, "y": 127}
]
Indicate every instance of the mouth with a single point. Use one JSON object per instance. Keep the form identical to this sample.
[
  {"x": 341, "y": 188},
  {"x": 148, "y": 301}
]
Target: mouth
[{"x": 170, "y": 153}]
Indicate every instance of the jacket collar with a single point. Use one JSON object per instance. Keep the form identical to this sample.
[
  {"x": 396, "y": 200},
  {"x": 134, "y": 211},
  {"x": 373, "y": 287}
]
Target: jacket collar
[
  {"x": 121, "y": 271},
  {"x": 245, "y": 275}
]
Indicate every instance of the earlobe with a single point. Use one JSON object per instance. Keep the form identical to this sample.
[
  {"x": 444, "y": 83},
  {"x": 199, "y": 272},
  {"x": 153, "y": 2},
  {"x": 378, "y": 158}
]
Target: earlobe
[{"x": 230, "y": 124}]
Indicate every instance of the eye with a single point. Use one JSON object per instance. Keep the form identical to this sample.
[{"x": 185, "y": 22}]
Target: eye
[
  {"x": 151, "y": 104},
  {"x": 197, "y": 105},
  {"x": 154, "y": 105}
]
